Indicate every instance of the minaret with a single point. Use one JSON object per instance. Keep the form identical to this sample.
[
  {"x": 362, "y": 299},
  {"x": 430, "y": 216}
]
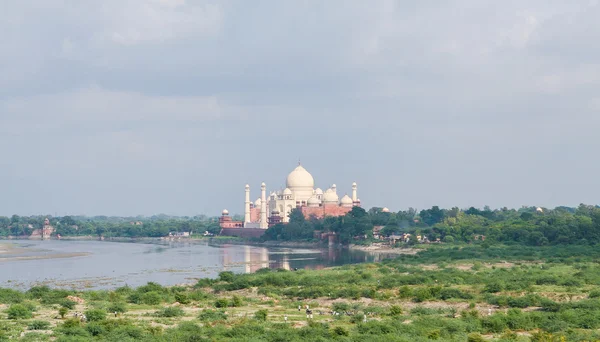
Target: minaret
[
  {"x": 334, "y": 188},
  {"x": 247, "y": 205},
  {"x": 263, "y": 206},
  {"x": 354, "y": 198}
]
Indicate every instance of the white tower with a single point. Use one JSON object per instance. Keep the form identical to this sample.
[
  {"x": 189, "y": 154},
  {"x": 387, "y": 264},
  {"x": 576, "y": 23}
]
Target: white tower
[
  {"x": 247, "y": 205},
  {"x": 263, "y": 206},
  {"x": 354, "y": 197}
]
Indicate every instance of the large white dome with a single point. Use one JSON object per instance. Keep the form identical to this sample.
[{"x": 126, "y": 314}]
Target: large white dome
[{"x": 300, "y": 178}]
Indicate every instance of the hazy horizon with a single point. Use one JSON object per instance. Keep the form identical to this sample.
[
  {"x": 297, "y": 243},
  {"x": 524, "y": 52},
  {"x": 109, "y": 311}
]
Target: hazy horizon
[{"x": 125, "y": 108}]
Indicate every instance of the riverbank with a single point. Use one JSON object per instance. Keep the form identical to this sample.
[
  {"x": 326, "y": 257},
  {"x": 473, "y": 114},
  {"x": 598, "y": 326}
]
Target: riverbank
[
  {"x": 399, "y": 300},
  {"x": 385, "y": 248}
]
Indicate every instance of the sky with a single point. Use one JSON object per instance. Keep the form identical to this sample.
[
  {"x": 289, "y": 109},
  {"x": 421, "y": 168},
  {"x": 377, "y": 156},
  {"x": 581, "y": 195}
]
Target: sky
[{"x": 141, "y": 107}]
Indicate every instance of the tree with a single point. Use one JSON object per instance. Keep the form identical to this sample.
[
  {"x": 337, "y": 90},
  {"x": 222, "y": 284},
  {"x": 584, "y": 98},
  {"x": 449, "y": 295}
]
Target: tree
[
  {"x": 432, "y": 216},
  {"x": 296, "y": 216}
]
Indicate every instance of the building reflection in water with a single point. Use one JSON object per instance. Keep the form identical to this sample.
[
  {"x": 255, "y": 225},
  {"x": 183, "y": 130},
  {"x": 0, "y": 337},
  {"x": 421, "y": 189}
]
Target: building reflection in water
[{"x": 248, "y": 259}]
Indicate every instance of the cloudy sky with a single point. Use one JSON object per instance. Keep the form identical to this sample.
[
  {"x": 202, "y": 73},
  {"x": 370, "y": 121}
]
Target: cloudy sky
[{"x": 126, "y": 107}]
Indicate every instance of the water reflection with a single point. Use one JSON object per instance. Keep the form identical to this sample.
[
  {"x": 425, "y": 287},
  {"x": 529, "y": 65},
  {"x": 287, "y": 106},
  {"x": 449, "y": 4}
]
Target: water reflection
[
  {"x": 104, "y": 264},
  {"x": 255, "y": 258}
]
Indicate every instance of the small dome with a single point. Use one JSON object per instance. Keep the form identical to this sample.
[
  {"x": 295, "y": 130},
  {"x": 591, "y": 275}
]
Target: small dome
[
  {"x": 287, "y": 191},
  {"x": 313, "y": 202},
  {"x": 385, "y": 210},
  {"x": 318, "y": 191},
  {"x": 300, "y": 178},
  {"x": 353, "y": 184},
  {"x": 263, "y": 185},
  {"x": 330, "y": 197},
  {"x": 346, "y": 201},
  {"x": 258, "y": 202},
  {"x": 225, "y": 212},
  {"x": 247, "y": 186}
]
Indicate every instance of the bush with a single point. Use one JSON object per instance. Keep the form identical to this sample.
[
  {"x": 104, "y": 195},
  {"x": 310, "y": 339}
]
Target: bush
[
  {"x": 212, "y": 315},
  {"x": 236, "y": 301},
  {"x": 19, "y": 311},
  {"x": 67, "y": 303},
  {"x": 95, "y": 329},
  {"x": 395, "y": 310},
  {"x": 171, "y": 311},
  {"x": 119, "y": 307},
  {"x": 38, "y": 325},
  {"x": 340, "y": 331},
  {"x": 474, "y": 337},
  {"x": 226, "y": 276},
  {"x": 182, "y": 298},
  {"x": 221, "y": 303},
  {"x": 95, "y": 315},
  {"x": 9, "y": 296},
  {"x": 494, "y": 287},
  {"x": 62, "y": 312},
  {"x": 261, "y": 315},
  {"x": 151, "y": 298}
]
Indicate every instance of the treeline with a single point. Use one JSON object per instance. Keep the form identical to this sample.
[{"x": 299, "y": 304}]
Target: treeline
[
  {"x": 155, "y": 226},
  {"x": 527, "y": 226}
]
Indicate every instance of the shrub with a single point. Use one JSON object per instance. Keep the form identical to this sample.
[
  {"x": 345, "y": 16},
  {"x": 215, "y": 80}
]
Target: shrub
[
  {"x": 221, "y": 303},
  {"x": 395, "y": 310},
  {"x": 19, "y": 311},
  {"x": 212, "y": 315},
  {"x": 474, "y": 337},
  {"x": 171, "y": 311},
  {"x": 119, "y": 307},
  {"x": 9, "y": 296},
  {"x": 38, "y": 325},
  {"x": 422, "y": 294},
  {"x": 95, "y": 329},
  {"x": 261, "y": 315},
  {"x": 95, "y": 315},
  {"x": 150, "y": 287},
  {"x": 494, "y": 287},
  {"x": 67, "y": 303},
  {"x": 63, "y": 311},
  {"x": 236, "y": 301},
  {"x": 182, "y": 298},
  {"x": 340, "y": 331},
  {"x": 151, "y": 298},
  {"x": 226, "y": 276}
]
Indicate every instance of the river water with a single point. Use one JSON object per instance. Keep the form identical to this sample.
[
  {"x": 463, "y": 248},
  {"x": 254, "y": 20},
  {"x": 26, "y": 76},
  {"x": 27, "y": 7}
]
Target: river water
[{"x": 107, "y": 265}]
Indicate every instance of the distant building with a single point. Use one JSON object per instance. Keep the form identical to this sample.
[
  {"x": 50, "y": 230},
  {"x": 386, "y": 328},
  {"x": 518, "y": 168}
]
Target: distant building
[{"x": 300, "y": 192}]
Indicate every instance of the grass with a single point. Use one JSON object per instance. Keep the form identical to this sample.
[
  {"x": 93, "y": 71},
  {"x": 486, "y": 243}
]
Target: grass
[{"x": 406, "y": 299}]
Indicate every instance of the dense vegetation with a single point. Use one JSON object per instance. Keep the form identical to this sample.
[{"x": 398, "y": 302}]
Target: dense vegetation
[
  {"x": 469, "y": 293},
  {"x": 155, "y": 226},
  {"x": 526, "y": 226}
]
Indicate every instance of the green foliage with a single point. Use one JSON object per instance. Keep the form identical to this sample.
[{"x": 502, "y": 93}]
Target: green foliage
[
  {"x": 38, "y": 325},
  {"x": 119, "y": 307},
  {"x": 62, "y": 311},
  {"x": 172, "y": 311},
  {"x": 9, "y": 296},
  {"x": 221, "y": 303},
  {"x": 340, "y": 331},
  {"x": 182, "y": 298},
  {"x": 19, "y": 311},
  {"x": 209, "y": 315},
  {"x": 94, "y": 315},
  {"x": 261, "y": 315},
  {"x": 151, "y": 298},
  {"x": 395, "y": 310}
]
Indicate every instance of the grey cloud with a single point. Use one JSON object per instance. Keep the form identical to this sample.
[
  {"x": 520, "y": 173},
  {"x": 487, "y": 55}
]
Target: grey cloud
[{"x": 172, "y": 106}]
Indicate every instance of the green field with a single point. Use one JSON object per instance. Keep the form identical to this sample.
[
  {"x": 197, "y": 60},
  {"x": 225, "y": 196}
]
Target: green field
[{"x": 456, "y": 293}]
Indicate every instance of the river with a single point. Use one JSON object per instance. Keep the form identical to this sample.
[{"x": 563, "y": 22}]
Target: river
[{"x": 107, "y": 265}]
